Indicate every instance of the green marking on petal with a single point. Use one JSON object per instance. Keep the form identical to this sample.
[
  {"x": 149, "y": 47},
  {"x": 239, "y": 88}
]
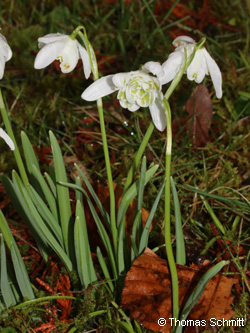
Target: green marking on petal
[{"x": 60, "y": 58}]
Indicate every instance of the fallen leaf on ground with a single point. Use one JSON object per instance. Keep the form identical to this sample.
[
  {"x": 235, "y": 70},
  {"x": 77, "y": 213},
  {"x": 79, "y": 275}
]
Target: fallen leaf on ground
[
  {"x": 147, "y": 292},
  {"x": 200, "y": 112}
]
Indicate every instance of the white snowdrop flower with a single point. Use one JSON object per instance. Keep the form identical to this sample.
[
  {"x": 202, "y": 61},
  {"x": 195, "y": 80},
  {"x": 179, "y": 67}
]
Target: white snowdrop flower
[
  {"x": 135, "y": 89},
  {"x": 63, "y": 48},
  {"x": 201, "y": 65},
  {"x": 7, "y": 139},
  {"x": 5, "y": 54}
]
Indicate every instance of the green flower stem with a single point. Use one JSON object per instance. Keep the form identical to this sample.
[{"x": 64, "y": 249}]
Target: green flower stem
[
  {"x": 11, "y": 135},
  {"x": 169, "y": 250},
  {"x": 138, "y": 156},
  {"x": 94, "y": 68}
]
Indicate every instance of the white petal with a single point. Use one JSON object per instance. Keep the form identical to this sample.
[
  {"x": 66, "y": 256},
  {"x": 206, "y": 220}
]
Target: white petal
[
  {"x": 50, "y": 38},
  {"x": 2, "y": 65},
  {"x": 131, "y": 107},
  {"x": 100, "y": 88},
  {"x": 128, "y": 95},
  {"x": 121, "y": 78},
  {"x": 48, "y": 54},
  {"x": 171, "y": 66},
  {"x": 198, "y": 67},
  {"x": 153, "y": 67},
  {"x": 158, "y": 115},
  {"x": 85, "y": 60},
  {"x": 215, "y": 73},
  {"x": 181, "y": 40},
  {"x": 69, "y": 56},
  {"x": 7, "y": 139},
  {"x": 5, "y": 49}
]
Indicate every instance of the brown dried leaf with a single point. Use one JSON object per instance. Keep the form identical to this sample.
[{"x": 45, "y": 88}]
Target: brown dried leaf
[
  {"x": 200, "y": 110},
  {"x": 200, "y": 113},
  {"x": 147, "y": 292}
]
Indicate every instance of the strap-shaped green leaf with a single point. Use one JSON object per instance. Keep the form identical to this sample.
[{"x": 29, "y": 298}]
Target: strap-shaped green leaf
[
  {"x": 94, "y": 196},
  {"x": 14, "y": 193},
  {"x": 105, "y": 269},
  {"x": 48, "y": 193},
  {"x": 19, "y": 267},
  {"x": 62, "y": 195},
  {"x": 84, "y": 261},
  {"x": 145, "y": 233},
  {"x": 131, "y": 194},
  {"x": 40, "y": 225},
  {"x": 196, "y": 294},
  {"x": 102, "y": 231},
  {"x": 7, "y": 293},
  {"x": 46, "y": 214},
  {"x": 180, "y": 242}
]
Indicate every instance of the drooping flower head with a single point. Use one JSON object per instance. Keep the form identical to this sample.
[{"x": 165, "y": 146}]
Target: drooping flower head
[
  {"x": 135, "y": 89},
  {"x": 5, "y": 54},
  {"x": 201, "y": 65},
  {"x": 7, "y": 139},
  {"x": 63, "y": 48}
]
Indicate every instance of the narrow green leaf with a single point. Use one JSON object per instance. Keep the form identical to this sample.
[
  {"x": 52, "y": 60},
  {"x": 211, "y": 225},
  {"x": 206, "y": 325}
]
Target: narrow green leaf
[
  {"x": 138, "y": 156},
  {"x": 29, "y": 154},
  {"x": 19, "y": 268},
  {"x": 62, "y": 195},
  {"x": 145, "y": 233},
  {"x": 197, "y": 293},
  {"x": 120, "y": 253},
  {"x": 104, "y": 269},
  {"x": 31, "y": 160},
  {"x": 78, "y": 193},
  {"x": 102, "y": 231},
  {"x": 141, "y": 184},
  {"x": 46, "y": 214},
  {"x": 131, "y": 194},
  {"x": 135, "y": 237},
  {"x": 180, "y": 242},
  {"x": 7, "y": 293},
  {"x": 52, "y": 184},
  {"x": 215, "y": 219},
  {"x": 94, "y": 196},
  {"x": 21, "y": 273},
  {"x": 39, "y": 225},
  {"x": 48, "y": 193},
  {"x": 84, "y": 261},
  {"x": 16, "y": 197}
]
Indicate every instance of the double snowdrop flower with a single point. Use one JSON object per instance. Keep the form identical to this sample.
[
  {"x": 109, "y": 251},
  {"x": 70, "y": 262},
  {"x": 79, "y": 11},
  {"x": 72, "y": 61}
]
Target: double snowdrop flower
[
  {"x": 135, "y": 89},
  {"x": 5, "y": 54},
  {"x": 7, "y": 139},
  {"x": 63, "y": 48},
  {"x": 201, "y": 65}
]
